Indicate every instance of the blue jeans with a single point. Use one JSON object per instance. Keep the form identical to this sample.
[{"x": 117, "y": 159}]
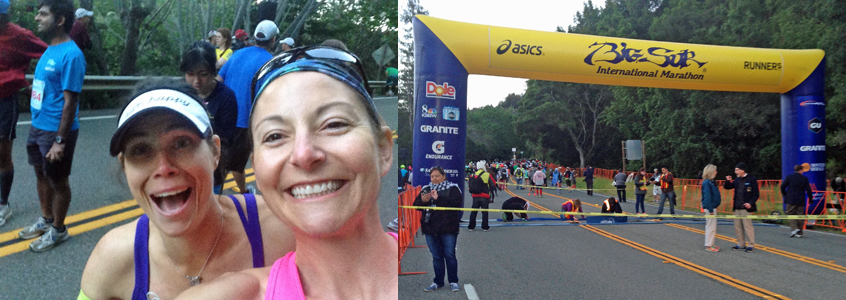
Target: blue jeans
[
  {"x": 639, "y": 208},
  {"x": 442, "y": 247},
  {"x": 664, "y": 197},
  {"x": 519, "y": 181}
]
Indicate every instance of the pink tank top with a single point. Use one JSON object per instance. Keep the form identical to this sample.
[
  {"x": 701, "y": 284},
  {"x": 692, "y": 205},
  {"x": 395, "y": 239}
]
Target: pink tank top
[{"x": 284, "y": 280}]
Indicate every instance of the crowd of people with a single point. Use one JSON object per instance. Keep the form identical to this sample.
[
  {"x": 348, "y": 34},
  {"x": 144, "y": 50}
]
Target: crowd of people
[{"x": 306, "y": 118}]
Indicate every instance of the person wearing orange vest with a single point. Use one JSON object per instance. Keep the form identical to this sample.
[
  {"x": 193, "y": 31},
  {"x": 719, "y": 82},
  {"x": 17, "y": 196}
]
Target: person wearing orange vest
[
  {"x": 611, "y": 205},
  {"x": 574, "y": 205},
  {"x": 667, "y": 191}
]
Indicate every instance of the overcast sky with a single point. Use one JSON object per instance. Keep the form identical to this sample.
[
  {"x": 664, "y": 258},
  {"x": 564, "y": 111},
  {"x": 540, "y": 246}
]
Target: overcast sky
[{"x": 524, "y": 14}]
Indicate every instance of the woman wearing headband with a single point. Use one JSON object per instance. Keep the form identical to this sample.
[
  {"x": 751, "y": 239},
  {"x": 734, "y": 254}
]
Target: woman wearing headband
[
  {"x": 187, "y": 235},
  {"x": 320, "y": 150}
]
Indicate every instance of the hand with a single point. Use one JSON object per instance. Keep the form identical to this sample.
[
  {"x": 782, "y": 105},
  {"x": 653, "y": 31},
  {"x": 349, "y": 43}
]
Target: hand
[
  {"x": 426, "y": 197},
  {"x": 434, "y": 194},
  {"x": 57, "y": 151},
  {"x": 728, "y": 178},
  {"x": 747, "y": 205}
]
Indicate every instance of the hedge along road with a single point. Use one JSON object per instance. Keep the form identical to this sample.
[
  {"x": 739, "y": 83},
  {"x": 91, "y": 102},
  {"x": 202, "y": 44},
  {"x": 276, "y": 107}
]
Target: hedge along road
[
  {"x": 661, "y": 260},
  {"x": 101, "y": 201}
]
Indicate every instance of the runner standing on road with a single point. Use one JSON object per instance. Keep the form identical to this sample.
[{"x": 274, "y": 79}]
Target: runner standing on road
[
  {"x": 187, "y": 235},
  {"x": 19, "y": 46},
  {"x": 55, "y": 123},
  {"x": 238, "y": 75}
]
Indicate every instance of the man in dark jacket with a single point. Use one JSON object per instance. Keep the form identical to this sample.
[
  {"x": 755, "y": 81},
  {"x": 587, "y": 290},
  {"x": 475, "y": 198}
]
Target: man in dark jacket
[
  {"x": 746, "y": 193},
  {"x": 795, "y": 188},
  {"x": 589, "y": 180},
  {"x": 441, "y": 226}
]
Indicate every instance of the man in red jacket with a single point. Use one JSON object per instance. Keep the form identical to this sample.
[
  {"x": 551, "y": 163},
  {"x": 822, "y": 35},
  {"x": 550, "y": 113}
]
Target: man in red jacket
[{"x": 18, "y": 47}]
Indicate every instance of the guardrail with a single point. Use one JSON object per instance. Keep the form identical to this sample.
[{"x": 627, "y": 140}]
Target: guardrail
[{"x": 118, "y": 83}]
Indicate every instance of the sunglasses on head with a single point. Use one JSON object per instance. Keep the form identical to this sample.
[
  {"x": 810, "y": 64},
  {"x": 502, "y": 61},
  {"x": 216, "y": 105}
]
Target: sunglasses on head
[{"x": 347, "y": 60}]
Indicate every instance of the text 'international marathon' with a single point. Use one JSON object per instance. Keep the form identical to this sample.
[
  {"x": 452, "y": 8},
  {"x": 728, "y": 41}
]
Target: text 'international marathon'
[{"x": 638, "y": 73}]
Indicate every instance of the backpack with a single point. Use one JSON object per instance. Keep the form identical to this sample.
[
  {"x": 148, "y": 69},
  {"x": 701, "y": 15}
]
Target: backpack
[
  {"x": 476, "y": 185},
  {"x": 518, "y": 173}
]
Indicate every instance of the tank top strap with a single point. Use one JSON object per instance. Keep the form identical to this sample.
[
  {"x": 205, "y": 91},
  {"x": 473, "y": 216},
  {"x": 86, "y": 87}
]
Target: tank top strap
[
  {"x": 252, "y": 226},
  {"x": 142, "y": 259}
]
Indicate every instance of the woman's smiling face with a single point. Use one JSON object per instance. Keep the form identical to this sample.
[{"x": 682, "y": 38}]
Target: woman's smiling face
[{"x": 316, "y": 156}]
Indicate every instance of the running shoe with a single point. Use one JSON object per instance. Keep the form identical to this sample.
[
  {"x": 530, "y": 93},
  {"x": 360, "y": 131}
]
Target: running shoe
[
  {"x": 454, "y": 286},
  {"x": 5, "y": 213},
  {"x": 750, "y": 249},
  {"x": 431, "y": 288},
  {"x": 394, "y": 225},
  {"x": 35, "y": 230},
  {"x": 794, "y": 233},
  {"x": 49, "y": 240},
  {"x": 712, "y": 249},
  {"x": 738, "y": 248},
  {"x": 504, "y": 217}
]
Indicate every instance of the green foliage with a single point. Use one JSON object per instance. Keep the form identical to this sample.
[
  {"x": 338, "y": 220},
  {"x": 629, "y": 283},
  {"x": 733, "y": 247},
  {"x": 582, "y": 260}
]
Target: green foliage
[{"x": 490, "y": 134}]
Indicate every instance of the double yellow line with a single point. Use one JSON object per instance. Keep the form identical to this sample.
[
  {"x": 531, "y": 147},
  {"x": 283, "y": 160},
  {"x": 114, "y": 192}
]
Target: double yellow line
[{"x": 80, "y": 223}]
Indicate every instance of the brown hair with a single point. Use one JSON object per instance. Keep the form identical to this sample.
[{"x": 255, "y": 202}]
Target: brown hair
[{"x": 227, "y": 37}]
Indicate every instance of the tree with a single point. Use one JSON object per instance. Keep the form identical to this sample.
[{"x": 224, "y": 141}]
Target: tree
[{"x": 406, "y": 75}]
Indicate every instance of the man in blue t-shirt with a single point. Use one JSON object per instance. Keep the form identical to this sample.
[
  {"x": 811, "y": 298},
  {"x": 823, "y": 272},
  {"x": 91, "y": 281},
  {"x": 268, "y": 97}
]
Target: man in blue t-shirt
[
  {"x": 237, "y": 74},
  {"x": 55, "y": 123}
]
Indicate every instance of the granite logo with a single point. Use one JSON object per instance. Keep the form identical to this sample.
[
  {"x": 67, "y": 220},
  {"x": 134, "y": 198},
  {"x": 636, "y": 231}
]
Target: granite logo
[
  {"x": 439, "y": 129},
  {"x": 815, "y": 125},
  {"x": 519, "y": 48},
  {"x": 812, "y": 148}
]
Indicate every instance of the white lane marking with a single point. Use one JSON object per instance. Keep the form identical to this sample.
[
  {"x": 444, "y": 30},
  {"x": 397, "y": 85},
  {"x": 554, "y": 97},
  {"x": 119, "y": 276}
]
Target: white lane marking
[
  {"x": 80, "y": 119},
  {"x": 471, "y": 292}
]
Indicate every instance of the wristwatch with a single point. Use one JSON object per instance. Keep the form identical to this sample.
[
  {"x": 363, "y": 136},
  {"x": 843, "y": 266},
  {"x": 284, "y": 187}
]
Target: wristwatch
[{"x": 59, "y": 140}]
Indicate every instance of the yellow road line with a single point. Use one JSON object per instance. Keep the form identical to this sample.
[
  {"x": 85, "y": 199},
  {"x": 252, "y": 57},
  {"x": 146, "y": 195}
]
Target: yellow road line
[
  {"x": 798, "y": 257},
  {"x": 741, "y": 285},
  {"x": 23, "y": 245},
  {"x": 8, "y": 236}
]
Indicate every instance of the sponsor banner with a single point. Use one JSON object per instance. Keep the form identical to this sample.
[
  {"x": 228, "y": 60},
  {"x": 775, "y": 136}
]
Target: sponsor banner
[
  {"x": 810, "y": 137},
  {"x": 439, "y": 132},
  {"x": 556, "y": 56}
]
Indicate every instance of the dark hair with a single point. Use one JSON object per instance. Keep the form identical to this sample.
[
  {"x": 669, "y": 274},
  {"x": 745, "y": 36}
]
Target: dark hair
[
  {"x": 266, "y": 43},
  {"x": 798, "y": 168},
  {"x": 226, "y": 35},
  {"x": 336, "y": 44},
  {"x": 61, "y": 8},
  {"x": 437, "y": 168},
  {"x": 199, "y": 53}
]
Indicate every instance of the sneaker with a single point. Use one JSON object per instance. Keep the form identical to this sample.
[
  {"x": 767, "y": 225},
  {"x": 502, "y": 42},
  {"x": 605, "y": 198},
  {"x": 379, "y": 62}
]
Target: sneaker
[
  {"x": 35, "y": 230},
  {"x": 470, "y": 229},
  {"x": 5, "y": 213},
  {"x": 525, "y": 220},
  {"x": 750, "y": 249},
  {"x": 794, "y": 233},
  {"x": 251, "y": 189},
  {"x": 504, "y": 217},
  {"x": 49, "y": 240},
  {"x": 431, "y": 288},
  {"x": 486, "y": 230},
  {"x": 394, "y": 225},
  {"x": 798, "y": 235},
  {"x": 712, "y": 249},
  {"x": 454, "y": 286},
  {"x": 738, "y": 248}
]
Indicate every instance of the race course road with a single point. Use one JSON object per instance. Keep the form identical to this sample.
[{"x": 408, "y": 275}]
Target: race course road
[
  {"x": 101, "y": 201},
  {"x": 640, "y": 260}
]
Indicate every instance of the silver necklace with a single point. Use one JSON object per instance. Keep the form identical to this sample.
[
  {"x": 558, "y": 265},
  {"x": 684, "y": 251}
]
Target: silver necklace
[{"x": 196, "y": 280}]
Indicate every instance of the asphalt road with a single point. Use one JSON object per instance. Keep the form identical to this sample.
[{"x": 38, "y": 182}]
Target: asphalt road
[
  {"x": 96, "y": 181},
  {"x": 520, "y": 260}
]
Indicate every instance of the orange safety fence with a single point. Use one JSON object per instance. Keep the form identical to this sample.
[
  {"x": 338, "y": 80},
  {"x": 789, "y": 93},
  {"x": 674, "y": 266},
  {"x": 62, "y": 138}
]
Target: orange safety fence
[
  {"x": 408, "y": 223},
  {"x": 833, "y": 206}
]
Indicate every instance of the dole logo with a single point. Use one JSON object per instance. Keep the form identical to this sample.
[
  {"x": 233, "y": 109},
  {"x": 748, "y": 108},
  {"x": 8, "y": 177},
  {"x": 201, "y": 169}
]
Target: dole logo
[{"x": 433, "y": 90}]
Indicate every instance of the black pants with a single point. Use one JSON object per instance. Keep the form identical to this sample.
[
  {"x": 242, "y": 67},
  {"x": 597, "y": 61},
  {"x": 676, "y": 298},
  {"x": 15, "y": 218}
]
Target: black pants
[
  {"x": 621, "y": 193},
  {"x": 479, "y": 202},
  {"x": 511, "y": 216},
  {"x": 589, "y": 187}
]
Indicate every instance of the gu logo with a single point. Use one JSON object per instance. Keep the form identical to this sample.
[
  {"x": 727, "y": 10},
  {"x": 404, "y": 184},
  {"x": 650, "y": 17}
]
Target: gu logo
[
  {"x": 659, "y": 56},
  {"x": 815, "y": 125}
]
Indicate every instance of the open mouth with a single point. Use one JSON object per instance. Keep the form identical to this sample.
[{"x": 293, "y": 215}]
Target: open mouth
[
  {"x": 311, "y": 190},
  {"x": 170, "y": 202}
]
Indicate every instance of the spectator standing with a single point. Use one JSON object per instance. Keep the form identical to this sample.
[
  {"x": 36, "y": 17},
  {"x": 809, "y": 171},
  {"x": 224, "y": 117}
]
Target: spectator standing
[
  {"x": 667, "y": 191},
  {"x": 568, "y": 179},
  {"x": 441, "y": 227},
  {"x": 55, "y": 123},
  {"x": 796, "y": 189},
  {"x": 79, "y": 31},
  {"x": 238, "y": 75},
  {"x": 746, "y": 193},
  {"x": 481, "y": 198},
  {"x": 556, "y": 179},
  {"x": 838, "y": 185},
  {"x": 198, "y": 65},
  {"x": 492, "y": 186},
  {"x": 240, "y": 40},
  {"x": 515, "y": 203},
  {"x": 288, "y": 44},
  {"x": 224, "y": 46},
  {"x": 641, "y": 183},
  {"x": 518, "y": 176},
  {"x": 589, "y": 180},
  {"x": 539, "y": 179},
  {"x": 656, "y": 182},
  {"x": 710, "y": 201},
  {"x": 19, "y": 46},
  {"x": 620, "y": 184},
  {"x": 212, "y": 37}
]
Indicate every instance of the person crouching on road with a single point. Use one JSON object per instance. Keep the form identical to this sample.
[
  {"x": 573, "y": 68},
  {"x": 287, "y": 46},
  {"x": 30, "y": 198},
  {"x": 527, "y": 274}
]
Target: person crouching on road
[
  {"x": 611, "y": 205},
  {"x": 746, "y": 193},
  {"x": 515, "y": 203},
  {"x": 441, "y": 226},
  {"x": 710, "y": 202},
  {"x": 574, "y": 205},
  {"x": 795, "y": 188}
]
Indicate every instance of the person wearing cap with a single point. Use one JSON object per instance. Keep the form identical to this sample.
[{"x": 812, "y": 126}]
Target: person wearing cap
[
  {"x": 168, "y": 150},
  {"x": 746, "y": 193},
  {"x": 198, "y": 65},
  {"x": 320, "y": 152},
  {"x": 54, "y": 104},
  {"x": 79, "y": 32},
  {"x": 240, "y": 40},
  {"x": 19, "y": 46},
  {"x": 238, "y": 75},
  {"x": 796, "y": 189},
  {"x": 224, "y": 46},
  {"x": 285, "y": 45},
  {"x": 212, "y": 37}
]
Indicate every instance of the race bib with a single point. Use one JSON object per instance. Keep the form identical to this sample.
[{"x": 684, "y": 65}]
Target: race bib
[{"x": 37, "y": 94}]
